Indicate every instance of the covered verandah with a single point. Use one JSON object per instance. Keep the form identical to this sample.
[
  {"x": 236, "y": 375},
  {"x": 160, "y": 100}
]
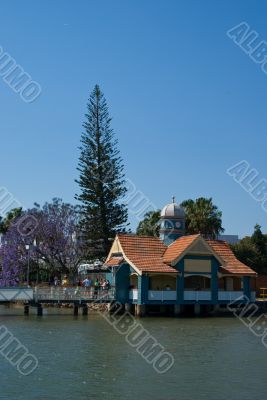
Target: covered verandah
[{"x": 188, "y": 288}]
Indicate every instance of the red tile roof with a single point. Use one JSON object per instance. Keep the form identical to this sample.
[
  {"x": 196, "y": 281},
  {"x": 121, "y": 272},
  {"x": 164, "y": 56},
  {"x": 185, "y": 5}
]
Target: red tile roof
[
  {"x": 149, "y": 254},
  {"x": 114, "y": 261},
  {"x": 145, "y": 252},
  {"x": 232, "y": 264},
  {"x": 178, "y": 247}
]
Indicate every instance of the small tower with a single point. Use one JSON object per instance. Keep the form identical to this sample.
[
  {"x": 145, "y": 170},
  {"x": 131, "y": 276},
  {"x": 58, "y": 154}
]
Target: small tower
[{"x": 172, "y": 222}]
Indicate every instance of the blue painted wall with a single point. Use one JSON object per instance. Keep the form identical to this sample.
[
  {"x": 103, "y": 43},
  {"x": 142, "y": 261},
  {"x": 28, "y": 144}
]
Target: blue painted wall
[
  {"x": 122, "y": 284},
  {"x": 246, "y": 286},
  {"x": 214, "y": 277},
  {"x": 214, "y": 280},
  {"x": 180, "y": 282},
  {"x": 143, "y": 287}
]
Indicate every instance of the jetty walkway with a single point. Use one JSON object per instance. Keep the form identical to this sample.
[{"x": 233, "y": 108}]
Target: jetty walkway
[{"x": 39, "y": 295}]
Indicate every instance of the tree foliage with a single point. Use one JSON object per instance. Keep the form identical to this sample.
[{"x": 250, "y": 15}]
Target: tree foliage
[
  {"x": 259, "y": 240},
  {"x": 202, "y": 216},
  {"x": 101, "y": 178},
  {"x": 150, "y": 225},
  {"x": 52, "y": 232},
  {"x": 252, "y": 250},
  {"x": 6, "y": 222}
]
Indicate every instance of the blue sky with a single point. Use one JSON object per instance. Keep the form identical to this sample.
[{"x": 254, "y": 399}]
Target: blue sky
[{"x": 186, "y": 102}]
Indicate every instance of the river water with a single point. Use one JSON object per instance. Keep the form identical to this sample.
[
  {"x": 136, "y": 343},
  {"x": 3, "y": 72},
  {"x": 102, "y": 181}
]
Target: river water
[{"x": 85, "y": 358}]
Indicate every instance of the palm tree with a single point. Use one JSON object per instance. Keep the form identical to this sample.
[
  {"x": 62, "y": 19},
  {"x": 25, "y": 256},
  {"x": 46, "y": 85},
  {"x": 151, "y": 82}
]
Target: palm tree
[
  {"x": 202, "y": 216},
  {"x": 149, "y": 226}
]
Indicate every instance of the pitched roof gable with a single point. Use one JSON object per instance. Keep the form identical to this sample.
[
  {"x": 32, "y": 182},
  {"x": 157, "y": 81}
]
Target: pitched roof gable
[
  {"x": 150, "y": 254},
  {"x": 220, "y": 249},
  {"x": 178, "y": 248},
  {"x": 144, "y": 253}
]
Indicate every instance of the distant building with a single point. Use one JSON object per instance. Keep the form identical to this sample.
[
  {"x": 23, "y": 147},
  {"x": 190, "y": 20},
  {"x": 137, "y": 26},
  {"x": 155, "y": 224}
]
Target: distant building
[
  {"x": 231, "y": 239},
  {"x": 176, "y": 270}
]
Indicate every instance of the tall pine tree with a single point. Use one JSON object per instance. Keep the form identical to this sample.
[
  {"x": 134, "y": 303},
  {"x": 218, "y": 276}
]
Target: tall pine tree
[
  {"x": 259, "y": 240},
  {"x": 101, "y": 178}
]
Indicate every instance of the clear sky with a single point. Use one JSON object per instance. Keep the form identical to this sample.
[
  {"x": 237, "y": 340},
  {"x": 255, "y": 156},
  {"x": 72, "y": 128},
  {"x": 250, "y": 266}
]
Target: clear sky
[{"x": 187, "y": 103}]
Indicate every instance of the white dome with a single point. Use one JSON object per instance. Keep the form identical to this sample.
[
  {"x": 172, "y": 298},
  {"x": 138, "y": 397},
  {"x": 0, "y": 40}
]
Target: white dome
[{"x": 173, "y": 210}]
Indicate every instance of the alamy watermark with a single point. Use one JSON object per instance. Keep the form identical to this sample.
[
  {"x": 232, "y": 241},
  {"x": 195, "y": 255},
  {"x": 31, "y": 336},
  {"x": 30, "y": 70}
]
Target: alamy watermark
[
  {"x": 246, "y": 312},
  {"x": 249, "y": 41},
  {"x": 17, "y": 79},
  {"x": 7, "y": 201},
  {"x": 139, "y": 338},
  {"x": 249, "y": 179},
  {"x": 16, "y": 353},
  {"x": 26, "y": 224}
]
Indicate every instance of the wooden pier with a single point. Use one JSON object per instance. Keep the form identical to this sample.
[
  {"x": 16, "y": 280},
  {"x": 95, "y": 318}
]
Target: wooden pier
[{"x": 37, "y": 296}]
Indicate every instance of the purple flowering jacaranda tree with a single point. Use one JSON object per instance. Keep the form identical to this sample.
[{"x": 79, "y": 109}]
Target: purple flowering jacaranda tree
[{"x": 49, "y": 235}]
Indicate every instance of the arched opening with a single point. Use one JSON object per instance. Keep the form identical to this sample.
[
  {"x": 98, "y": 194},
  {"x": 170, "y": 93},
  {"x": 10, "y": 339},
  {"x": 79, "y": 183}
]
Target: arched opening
[
  {"x": 162, "y": 282},
  {"x": 229, "y": 283},
  {"x": 197, "y": 282}
]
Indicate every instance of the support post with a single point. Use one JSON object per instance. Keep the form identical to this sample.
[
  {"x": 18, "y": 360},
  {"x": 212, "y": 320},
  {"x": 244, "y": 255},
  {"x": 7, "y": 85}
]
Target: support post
[
  {"x": 85, "y": 310},
  {"x": 197, "y": 309},
  {"x": 178, "y": 309},
  {"x": 39, "y": 310},
  {"x": 128, "y": 308},
  {"x": 162, "y": 309},
  {"x": 26, "y": 309},
  {"x": 246, "y": 287},
  {"x": 216, "y": 308},
  {"x": 140, "y": 310},
  {"x": 214, "y": 281},
  {"x": 180, "y": 284},
  {"x": 75, "y": 310},
  {"x": 143, "y": 285}
]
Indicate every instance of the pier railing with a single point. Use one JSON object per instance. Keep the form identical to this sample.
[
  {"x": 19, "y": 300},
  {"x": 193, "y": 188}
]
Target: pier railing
[
  {"x": 14, "y": 294},
  {"x": 64, "y": 294}
]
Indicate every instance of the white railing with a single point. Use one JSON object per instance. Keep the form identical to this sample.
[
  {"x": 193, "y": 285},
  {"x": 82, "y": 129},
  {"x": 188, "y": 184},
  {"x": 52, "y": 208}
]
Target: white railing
[
  {"x": 16, "y": 294},
  {"x": 230, "y": 295},
  {"x": 133, "y": 294},
  {"x": 197, "y": 295},
  {"x": 161, "y": 295},
  {"x": 55, "y": 293}
]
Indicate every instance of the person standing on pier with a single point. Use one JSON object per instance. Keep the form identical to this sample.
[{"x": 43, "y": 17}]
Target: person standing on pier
[{"x": 97, "y": 286}]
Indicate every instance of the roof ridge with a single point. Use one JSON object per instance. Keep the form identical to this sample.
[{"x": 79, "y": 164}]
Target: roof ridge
[{"x": 182, "y": 237}]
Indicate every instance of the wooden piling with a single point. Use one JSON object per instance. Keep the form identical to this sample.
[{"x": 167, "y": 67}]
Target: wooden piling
[
  {"x": 85, "y": 310},
  {"x": 140, "y": 310},
  {"x": 39, "y": 310},
  {"x": 75, "y": 310},
  {"x": 26, "y": 309}
]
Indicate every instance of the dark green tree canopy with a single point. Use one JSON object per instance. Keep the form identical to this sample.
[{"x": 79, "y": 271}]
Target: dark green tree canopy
[
  {"x": 150, "y": 225},
  {"x": 252, "y": 250},
  {"x": 101, "y": 178},
  {"x": 202, "y": 216},
  {"x": 11, "y": 216},
  {"x": 259, "y": 240}
]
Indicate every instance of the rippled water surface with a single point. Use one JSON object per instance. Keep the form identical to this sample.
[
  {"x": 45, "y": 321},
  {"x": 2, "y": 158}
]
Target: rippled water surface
[{"x": 85, "y": 358}]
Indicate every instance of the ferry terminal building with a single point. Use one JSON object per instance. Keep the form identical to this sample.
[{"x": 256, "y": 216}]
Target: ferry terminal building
[{"x": 177, "y": 271}]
